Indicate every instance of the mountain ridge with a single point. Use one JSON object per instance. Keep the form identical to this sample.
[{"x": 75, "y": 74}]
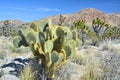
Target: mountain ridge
[{"x": 87, "y": 14}]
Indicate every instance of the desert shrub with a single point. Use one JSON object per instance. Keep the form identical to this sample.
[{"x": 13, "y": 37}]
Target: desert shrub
[
  {"x": 3, "y": 54},
  {"x": 7, "y": 30}
]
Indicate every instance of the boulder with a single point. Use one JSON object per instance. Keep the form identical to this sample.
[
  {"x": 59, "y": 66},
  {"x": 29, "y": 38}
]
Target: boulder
[
  {"x": 6, "y": 70},
  {"x": 9, "y": 77}
]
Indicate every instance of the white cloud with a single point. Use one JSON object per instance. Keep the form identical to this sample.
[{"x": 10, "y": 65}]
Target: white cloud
[
  {"x": 21, "y": 9},
  {"x": 48, "y": 10},
  {"x": 37, "y": 9}
]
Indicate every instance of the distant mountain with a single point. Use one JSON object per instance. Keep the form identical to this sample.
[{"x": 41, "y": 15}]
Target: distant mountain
[
  {"x": 14, "y": 23},
  {"x": 88, "y": 15}
]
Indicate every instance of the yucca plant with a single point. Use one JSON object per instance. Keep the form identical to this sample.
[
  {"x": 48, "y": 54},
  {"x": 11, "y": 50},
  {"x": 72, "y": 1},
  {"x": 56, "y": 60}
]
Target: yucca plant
[
  {"x": 99, "y": 26},
  {"x": 112, "y": 33},
  {"x": 82, "y": 30}
]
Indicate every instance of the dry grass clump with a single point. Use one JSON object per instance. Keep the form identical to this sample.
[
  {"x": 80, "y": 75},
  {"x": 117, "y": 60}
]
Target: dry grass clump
[
  {"x": 112, "y": 46},
  {"x": 88, "y": 58},
  {"x": 27, "y": 73},
  {"x": 33, "y": 71},
  {"x": 84, "y": 54},
  {"x": 91, "y": 69}
]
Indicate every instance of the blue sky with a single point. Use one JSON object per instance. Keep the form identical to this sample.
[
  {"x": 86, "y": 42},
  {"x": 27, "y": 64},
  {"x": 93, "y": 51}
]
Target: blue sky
[{"x": 30, "y": 10}]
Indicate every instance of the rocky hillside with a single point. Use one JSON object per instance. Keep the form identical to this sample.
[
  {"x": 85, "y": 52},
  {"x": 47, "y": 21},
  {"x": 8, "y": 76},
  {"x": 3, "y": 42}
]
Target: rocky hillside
[
  {"x": 14, "y": 23},
  {"x": 88, "y": 15}
]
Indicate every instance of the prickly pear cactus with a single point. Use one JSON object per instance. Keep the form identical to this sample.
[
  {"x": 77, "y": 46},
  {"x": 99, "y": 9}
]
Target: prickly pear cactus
[{"x": 52, "y": 44}]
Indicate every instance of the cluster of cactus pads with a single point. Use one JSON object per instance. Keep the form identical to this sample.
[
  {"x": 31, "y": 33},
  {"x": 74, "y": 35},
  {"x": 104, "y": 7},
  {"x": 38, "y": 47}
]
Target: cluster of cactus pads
[{"x": 52, "y": 44}]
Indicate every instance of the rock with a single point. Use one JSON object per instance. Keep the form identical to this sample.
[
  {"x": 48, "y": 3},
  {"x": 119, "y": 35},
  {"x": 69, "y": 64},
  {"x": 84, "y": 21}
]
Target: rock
[
  {"x": 117, "y": 78},
  {"x": 22, "y": 61},
  {"x": 1, "y": 62},
  {"x": 14, "y": 66},
  {"x": 9, "y": 77},
  {"x": 18, "y": 59},
  {"x": 6, "y": 70}
]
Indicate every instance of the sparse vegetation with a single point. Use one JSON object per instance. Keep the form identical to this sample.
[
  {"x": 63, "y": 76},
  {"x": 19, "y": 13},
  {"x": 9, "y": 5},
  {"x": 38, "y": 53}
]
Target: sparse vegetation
[
  {"x": 88, "y": 52},
  {"x": 91, "y": 69},
  {"x": 49, "y": 52},
  {"x": 7, "y": 30}
]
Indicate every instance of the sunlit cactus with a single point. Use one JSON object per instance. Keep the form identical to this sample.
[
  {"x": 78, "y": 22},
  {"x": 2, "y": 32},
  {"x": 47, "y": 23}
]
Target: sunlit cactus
[{"x": 52, "y": 44}]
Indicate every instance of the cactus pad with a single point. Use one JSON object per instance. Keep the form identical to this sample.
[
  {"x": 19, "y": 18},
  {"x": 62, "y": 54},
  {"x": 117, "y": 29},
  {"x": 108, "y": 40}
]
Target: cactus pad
[
  {"x": 48, "y": 46},
  {"x": 42, "y": 25},
  {"x": 68, "y": 51},
  {"x": 41, "y": 37},
  {"x": 31, "y": 38},
  {"x": 34, "y": 27},
  {"x": 16, "y": 42},
  {"x": 55, "y": 57}
]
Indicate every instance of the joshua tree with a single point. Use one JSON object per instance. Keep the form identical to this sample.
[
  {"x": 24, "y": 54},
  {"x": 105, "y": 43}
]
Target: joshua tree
[
  {"x": 61, "y": 20},
  {"x": 99, "y": 26},
  {"x": 112, "y": 33},
  {"x": 82, "y": 30},
  {"x": 5, "y": 28}
]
